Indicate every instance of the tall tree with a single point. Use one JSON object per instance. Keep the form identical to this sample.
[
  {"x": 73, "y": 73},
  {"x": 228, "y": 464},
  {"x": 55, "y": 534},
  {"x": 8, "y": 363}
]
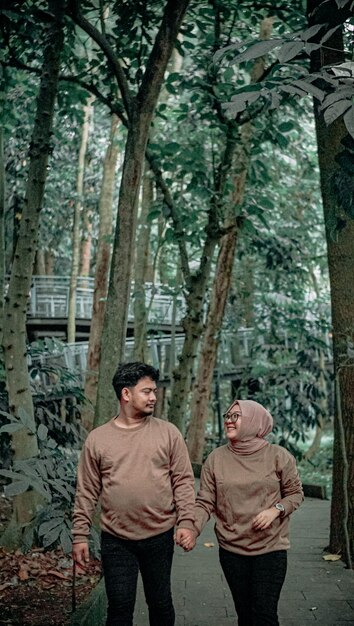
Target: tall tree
[
  {"x": 139, "y": 112},
  {"x": 222, "y": 278},
  {"x": 78, "y": 209},
  {"x": 103, "y": 258},
  {"x": 336, "y": 158},
  {"x": 14, "y": 334}
]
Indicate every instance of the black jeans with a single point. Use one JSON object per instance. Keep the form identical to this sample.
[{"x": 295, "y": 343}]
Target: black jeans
[
  {"x": 122, "y": 560},
  {"x": 255, "y": 583}
]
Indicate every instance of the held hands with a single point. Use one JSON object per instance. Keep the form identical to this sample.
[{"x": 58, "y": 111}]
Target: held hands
[
  {"x": 81, "y": 553},
  {"x": 264, "y": 519},
  {"x": 185, "y": 538}
]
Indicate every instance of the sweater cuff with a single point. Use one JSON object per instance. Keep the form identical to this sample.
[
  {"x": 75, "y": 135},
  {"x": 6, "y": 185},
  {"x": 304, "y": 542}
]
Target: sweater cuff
[
  {"x": 80, "y": 539},
  {"x": 186, "y": 524}
]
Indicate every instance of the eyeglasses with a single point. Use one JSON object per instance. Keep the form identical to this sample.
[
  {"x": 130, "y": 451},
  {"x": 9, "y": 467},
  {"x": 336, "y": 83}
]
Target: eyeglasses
[{"x": 231, "y": 417}]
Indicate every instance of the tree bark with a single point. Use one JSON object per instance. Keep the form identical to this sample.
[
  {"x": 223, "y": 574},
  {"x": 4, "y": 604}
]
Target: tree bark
[
  {"x": 341, "y": 266},
  {"x": 2, "y": 231},
  {"x": 24, "y": 442},
  {"x": 222, "y": 281},
  {"x": 140, "y": 113},
  {"x": 141, "y": 266},
  {"x": 76, "y": 232},
  {"x": 101, "y": 275}
]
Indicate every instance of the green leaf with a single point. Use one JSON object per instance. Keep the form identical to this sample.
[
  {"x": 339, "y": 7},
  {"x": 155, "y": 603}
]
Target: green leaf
[
  {"x": 289, "y": 50},
  {"x": 42, "y": 432},
  {"x": 349, "y": 121},
  {"x": 51, "y": 537},
  {"x": 14, "y": 489},
  {"x": 285, "y": 127},
  {"x": 11, "y": 428},
  {"x": 48, "y": 526},
  {"x": 65, "y": 540},
  {"x": 26, "y": 419},
  {"x": 258, "y": 49},
  {"x": 335, "y": 110}
]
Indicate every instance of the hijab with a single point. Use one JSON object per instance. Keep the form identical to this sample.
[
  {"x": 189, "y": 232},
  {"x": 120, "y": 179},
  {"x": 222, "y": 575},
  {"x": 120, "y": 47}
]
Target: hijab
[{"x": 256, "y": 423}]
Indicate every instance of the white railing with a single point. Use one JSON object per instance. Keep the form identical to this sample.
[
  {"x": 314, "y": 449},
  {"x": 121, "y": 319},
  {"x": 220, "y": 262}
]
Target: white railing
[
  {"x": 161, "y": 354},
  {"x": 49, "y": 298}
]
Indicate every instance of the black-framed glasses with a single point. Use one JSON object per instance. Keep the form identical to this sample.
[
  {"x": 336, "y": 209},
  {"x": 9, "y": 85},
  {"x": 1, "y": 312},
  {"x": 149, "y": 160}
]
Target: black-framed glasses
[{"x": 232, "y": 417}]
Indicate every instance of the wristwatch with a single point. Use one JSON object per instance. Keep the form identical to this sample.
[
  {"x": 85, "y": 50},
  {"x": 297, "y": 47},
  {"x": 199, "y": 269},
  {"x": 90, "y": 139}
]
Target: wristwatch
[{"x": 280, "y": 508}]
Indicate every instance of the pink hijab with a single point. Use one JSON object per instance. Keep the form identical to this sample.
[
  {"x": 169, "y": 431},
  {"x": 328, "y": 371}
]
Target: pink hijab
[{"x": 256, "y": 423}]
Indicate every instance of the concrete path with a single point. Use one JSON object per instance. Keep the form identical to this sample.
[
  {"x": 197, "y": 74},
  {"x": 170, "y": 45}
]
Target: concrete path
[{"x": 315, "y": 591}]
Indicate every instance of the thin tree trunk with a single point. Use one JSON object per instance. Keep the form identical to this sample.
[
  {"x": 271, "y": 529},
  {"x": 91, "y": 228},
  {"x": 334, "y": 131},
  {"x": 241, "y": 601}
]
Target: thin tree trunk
[
  {"x": 76, "y": 232},
  {"x": 141, "y": 266},
  {"x": 39, "y": 263},
  {"x": 341, "y": 267},
  {"x": 221, "y": 283},
  {"x": 86, "y": 244},
  {"x": 103, "y": 258},
  {"x": 2, "y": 231},
  {"x": 141, "y": 111},
  {"x": 24, "y": 442}
]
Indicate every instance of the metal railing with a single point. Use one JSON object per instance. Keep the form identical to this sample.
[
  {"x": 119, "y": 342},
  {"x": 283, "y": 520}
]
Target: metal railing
[{"x": 49, "y": 298}]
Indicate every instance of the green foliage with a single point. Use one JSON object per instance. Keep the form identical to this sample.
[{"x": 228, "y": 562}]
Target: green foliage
[{"x": 52, "y": 475}]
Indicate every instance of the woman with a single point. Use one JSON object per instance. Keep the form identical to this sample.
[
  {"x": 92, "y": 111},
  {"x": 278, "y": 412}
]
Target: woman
[{"x": 251, "y": 487}]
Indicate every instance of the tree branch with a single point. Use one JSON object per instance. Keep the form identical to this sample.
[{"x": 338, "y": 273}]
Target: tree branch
[
  {"x": 179, "y": 232},
  {"x": 100, "y": 39}
]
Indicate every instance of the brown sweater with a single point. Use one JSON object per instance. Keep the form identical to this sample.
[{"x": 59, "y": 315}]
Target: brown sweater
[
  {"x": 144, "y": 477},
  {"x": 235, "y": 488}
]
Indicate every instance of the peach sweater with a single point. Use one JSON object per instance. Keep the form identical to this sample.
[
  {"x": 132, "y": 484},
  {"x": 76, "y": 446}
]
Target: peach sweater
[
  {"x": 235, "y": 487},
  {"x": 144, "y": 478}
]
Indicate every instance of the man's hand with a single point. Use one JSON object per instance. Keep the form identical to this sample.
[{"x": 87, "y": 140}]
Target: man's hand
[
  {"x": 265, "y": 518},
  {"x": 81, "y": 553},
  {"x": 185, "y": 538}
]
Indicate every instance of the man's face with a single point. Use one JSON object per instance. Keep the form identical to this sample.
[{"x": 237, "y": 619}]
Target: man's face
[{"x": 142, "y": 397}]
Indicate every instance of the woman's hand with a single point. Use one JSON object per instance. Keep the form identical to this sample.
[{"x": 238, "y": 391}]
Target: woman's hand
[
  {"x": 265, "y": 518},
  {"x": 185, "y": 538}
]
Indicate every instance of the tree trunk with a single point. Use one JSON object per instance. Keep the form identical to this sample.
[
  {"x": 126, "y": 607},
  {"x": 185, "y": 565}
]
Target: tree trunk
[
  {"x": 86, "y": 244},
  {"x": 140, "y": 116},
  {"x": 39, "y": 263},
  {"x": 24, "y": 442},
  {"x": 341, "y": 268},
  {"x": 103, "y": 258},
  {"x": 221, "y": 283},
  {"x": 76, "y": 233},
  {"x": 141, "y": 265},
  {"x": 2, "y": 231}
]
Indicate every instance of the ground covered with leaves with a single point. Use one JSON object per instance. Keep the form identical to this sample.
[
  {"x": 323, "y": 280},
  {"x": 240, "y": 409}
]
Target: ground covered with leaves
[{"x": 36, "y": 588}]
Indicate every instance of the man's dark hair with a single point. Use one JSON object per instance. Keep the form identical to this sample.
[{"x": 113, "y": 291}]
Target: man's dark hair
[{"x": 129, "y": 374}]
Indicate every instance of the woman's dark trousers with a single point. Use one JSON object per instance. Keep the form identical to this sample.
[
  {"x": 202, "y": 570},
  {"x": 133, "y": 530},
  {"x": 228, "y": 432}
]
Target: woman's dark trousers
[
  {"x": 255, "y": 583},
  {"x": 122, "y": 560}
]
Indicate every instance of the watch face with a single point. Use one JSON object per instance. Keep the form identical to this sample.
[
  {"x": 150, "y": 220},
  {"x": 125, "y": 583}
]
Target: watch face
[{"x": 280, "y": 507}]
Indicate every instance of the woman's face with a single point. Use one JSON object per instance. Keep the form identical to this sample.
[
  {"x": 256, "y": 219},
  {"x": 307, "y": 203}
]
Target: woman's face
[{"x": 232, "y": 423}]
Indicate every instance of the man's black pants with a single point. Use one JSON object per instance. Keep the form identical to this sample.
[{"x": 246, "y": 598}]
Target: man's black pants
[
  {"x": 122, "y": 560},
  {"x": 255, "y": 583}
]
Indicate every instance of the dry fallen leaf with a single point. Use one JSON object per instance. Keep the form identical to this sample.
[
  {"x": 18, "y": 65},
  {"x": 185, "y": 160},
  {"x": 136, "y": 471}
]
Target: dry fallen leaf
[
  {"x": 332, "y": 557},
  {"x": 209, "y": 544}
]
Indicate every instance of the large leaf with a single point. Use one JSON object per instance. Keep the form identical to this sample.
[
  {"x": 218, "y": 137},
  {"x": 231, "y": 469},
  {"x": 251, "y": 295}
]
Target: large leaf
[
  {"x": 349, "y": 121},
  {"x": 335, "y": 110},
  {"x": 14, "y": 489},
  {"x": 46, "y": 527},
  {"x": 259, "y": 49},
  {"x": 11, "y": 428},
  {"x": 290, "y": 50}
]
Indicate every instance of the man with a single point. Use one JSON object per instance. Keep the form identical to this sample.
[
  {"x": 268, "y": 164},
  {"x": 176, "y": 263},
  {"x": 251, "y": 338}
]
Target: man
[{"x": 140, "y": 466}]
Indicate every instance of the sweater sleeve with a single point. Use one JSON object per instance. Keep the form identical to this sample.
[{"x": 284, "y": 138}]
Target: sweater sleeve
[
  {"x": 182, "y": 481},
  {"x": 88, "y": 490},
  {"x": 290, "y": 485},
  {"x": 206, "y": 498}
]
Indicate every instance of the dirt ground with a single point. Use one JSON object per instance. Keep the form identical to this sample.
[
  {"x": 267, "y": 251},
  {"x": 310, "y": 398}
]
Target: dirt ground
[{"x": 36, "y": 588}]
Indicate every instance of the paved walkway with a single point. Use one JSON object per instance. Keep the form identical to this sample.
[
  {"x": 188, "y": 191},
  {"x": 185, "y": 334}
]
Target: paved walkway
[{"x": 315, "y": 591}]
